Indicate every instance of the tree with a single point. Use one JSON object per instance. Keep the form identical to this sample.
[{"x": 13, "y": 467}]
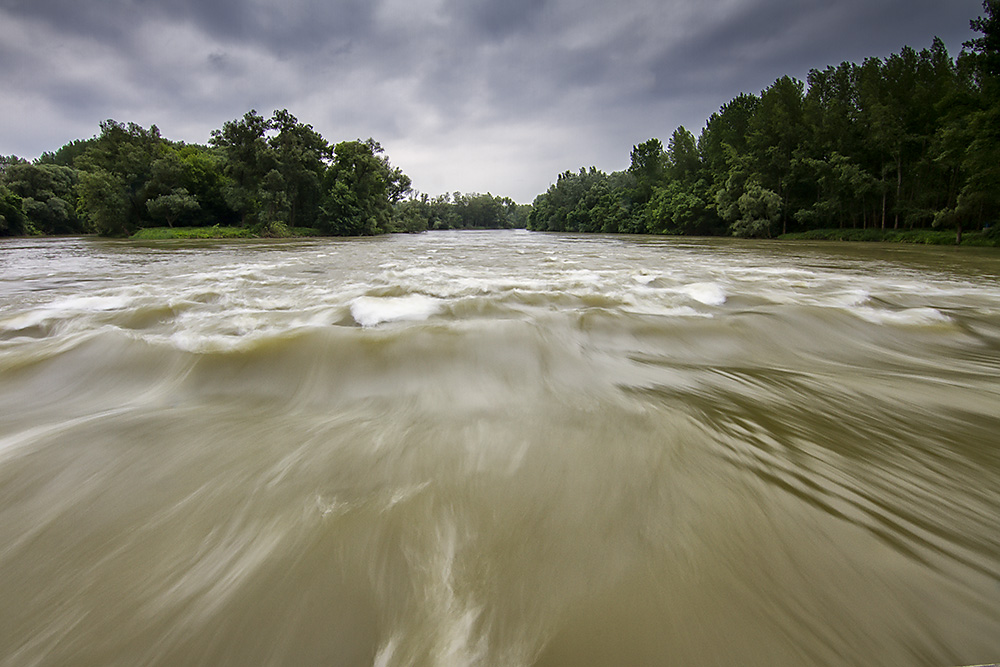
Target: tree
[
  {"x": 275, "y": 206},
  {"x": 412, "y": 216},
  {"x": 776, "y": 130},
  {"x": 844, "y": 190},
  {"x": 588, "y": 201},
  {"x": 760, "y": 210},
  {"x": 968, "y": 142},
  {"x": 121, "y": 157},
  {"x": 7, "y": 161},
  {"x": 103, "y": 195},
  {"x": 987, "y": 45},
  {"x": 48, "y": 197},
  {"x": 301, "y": 155},
  {"x": 725, "y": 137},
  {"x": 684, "y": 208},
  {"x": 648, "y": 167},
  {"x": 484, "y": 211},
  {"x": 682, "y": 159},
  {"x": 172, "y": 207},
  {"x": 359, "y": 187},
  {"x": 12, "y": 219},
  {"x": 68, "y": 154},
  {"x": 248, "y": 160}
]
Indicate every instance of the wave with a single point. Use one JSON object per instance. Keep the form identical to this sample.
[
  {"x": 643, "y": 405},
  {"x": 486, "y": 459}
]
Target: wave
[{"x": 370, "y": 311}]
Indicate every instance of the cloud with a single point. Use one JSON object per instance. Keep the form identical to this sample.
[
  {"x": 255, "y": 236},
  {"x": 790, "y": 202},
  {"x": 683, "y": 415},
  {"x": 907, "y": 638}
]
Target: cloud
[
  {"x": 471, "y": 95},
  {"x": 496, "y": 20}
]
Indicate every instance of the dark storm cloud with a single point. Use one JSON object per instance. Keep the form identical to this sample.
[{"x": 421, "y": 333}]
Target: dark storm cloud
[
  {"x": 763, "y": 40},
  {"x": 280, "y": 25},
  {"x": 497, "y": 95}
]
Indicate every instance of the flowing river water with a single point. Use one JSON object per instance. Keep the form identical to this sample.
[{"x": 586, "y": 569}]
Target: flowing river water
[{"x": 498, "y": 448}]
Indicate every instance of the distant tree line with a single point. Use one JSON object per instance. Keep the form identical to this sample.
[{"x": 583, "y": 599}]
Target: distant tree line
[
  {"x": 271, "y": 175},
  {"x": 460, "y": 211},
  {"x": 911, "y": 141}
]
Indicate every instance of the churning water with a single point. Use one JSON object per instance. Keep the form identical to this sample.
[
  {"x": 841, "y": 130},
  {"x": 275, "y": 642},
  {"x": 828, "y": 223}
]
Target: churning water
[{"x": 498, "y": 448}]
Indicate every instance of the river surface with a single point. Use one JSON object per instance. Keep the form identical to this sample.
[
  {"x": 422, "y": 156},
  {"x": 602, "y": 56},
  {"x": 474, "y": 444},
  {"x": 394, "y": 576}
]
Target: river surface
[{"x": 498, "y": 448}]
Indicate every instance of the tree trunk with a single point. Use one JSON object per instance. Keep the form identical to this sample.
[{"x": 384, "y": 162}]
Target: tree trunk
[
  {"x": 899, "y": 189},
  {"x": 883, "y": 204}
]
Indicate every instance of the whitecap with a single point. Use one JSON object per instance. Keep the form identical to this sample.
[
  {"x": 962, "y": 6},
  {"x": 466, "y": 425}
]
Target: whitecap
[
  {"x": 908, "y": 317},
  {"x": 710, "y": 294},
  {"x": 91, "y": 303},
  {"x": 65, "y": 308},
  {"x": 27, "y": 320},
  {"x": 644, "y": 278},
  {"x": 370, "y": 311}
]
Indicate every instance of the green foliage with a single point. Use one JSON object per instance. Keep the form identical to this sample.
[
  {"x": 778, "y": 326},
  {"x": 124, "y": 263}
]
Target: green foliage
[
  {"x": 458, "y": 211},
  {"x": 418, "y": 214},
  {"x": 248, "y": 159},
  {"x": 921, "y": 236},
  {"x": 12, "y": 218},
  {"x": 360, "y": 190},
  {"x": 103, "y": 198},
  {"x": 300, "y": 156},
  {"x": 588, "y": 201},
  {"x": 760, "y": 209},
  {"x": 194, "y": 175},
  {"x": 7, "y": 161},
  {"x": 48, "y": 196},
  {"x": 682, "y": 208},
  {"x": 987, "y": 45},
  {"x": 122, "y": 158},
  {"x": 911, "y": 141},
  {"x": 274, "y": 176},
  {"x": 171, "y": 207},
  {"x": 682, "y": 159},
  {"x": 68, "y": 154},
  {"x": 411, "y": 216},
  {"x": 648, "y": 168},
  {"x": 484, "y": 211},
  {"x": 724, "y": 138}
]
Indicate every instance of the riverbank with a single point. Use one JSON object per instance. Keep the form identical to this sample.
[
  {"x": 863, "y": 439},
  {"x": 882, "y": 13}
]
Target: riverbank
[
  {"x": 215, "y": 232},
  {"x": 988, "y": 238}
]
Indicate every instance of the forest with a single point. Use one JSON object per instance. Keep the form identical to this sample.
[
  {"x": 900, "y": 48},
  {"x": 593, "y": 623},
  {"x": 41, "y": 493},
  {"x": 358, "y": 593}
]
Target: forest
[
  {"x": 265, "y": 176},
  {"x": 911, "y": 141}
]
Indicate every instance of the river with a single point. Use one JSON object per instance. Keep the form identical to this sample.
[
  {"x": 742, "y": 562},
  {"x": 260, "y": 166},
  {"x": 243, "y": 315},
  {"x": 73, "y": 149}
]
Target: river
[{"x": 498, "y": 448}]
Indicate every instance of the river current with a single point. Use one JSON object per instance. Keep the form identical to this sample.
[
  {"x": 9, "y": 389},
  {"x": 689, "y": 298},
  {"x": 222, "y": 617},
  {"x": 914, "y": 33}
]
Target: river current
[{"x": 498, "y": 448}]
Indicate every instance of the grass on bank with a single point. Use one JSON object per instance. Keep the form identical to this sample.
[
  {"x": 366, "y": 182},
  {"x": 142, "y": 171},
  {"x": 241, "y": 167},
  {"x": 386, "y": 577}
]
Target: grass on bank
[
  {"x": 988, "y": 238},
  {"x": 215, "y": 232}
]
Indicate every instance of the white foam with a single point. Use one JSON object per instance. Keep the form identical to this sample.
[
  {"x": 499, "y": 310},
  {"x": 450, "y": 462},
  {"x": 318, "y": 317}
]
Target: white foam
[
  {"x": 65, "y": 308},
  {"x": 370, "y": 311},
  {"x": 908, "y": 317},
  {"x": 26, "y": 320},
  {"x": 710, "y": 294},
  {"x": 92, "y": 303},
  {"x": 667, "y": 311},
  {"x": 644, "y": 278}
]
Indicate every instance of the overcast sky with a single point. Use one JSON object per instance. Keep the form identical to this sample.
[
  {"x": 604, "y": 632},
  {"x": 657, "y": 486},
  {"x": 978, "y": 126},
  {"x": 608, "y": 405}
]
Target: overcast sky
[{"x": 468, "y": 95}]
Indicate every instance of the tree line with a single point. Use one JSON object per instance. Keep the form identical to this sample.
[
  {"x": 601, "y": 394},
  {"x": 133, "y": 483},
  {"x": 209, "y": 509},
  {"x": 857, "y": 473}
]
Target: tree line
[
  {"x": 274, "y": 176},
  {"x": 910, "y": 141}
]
